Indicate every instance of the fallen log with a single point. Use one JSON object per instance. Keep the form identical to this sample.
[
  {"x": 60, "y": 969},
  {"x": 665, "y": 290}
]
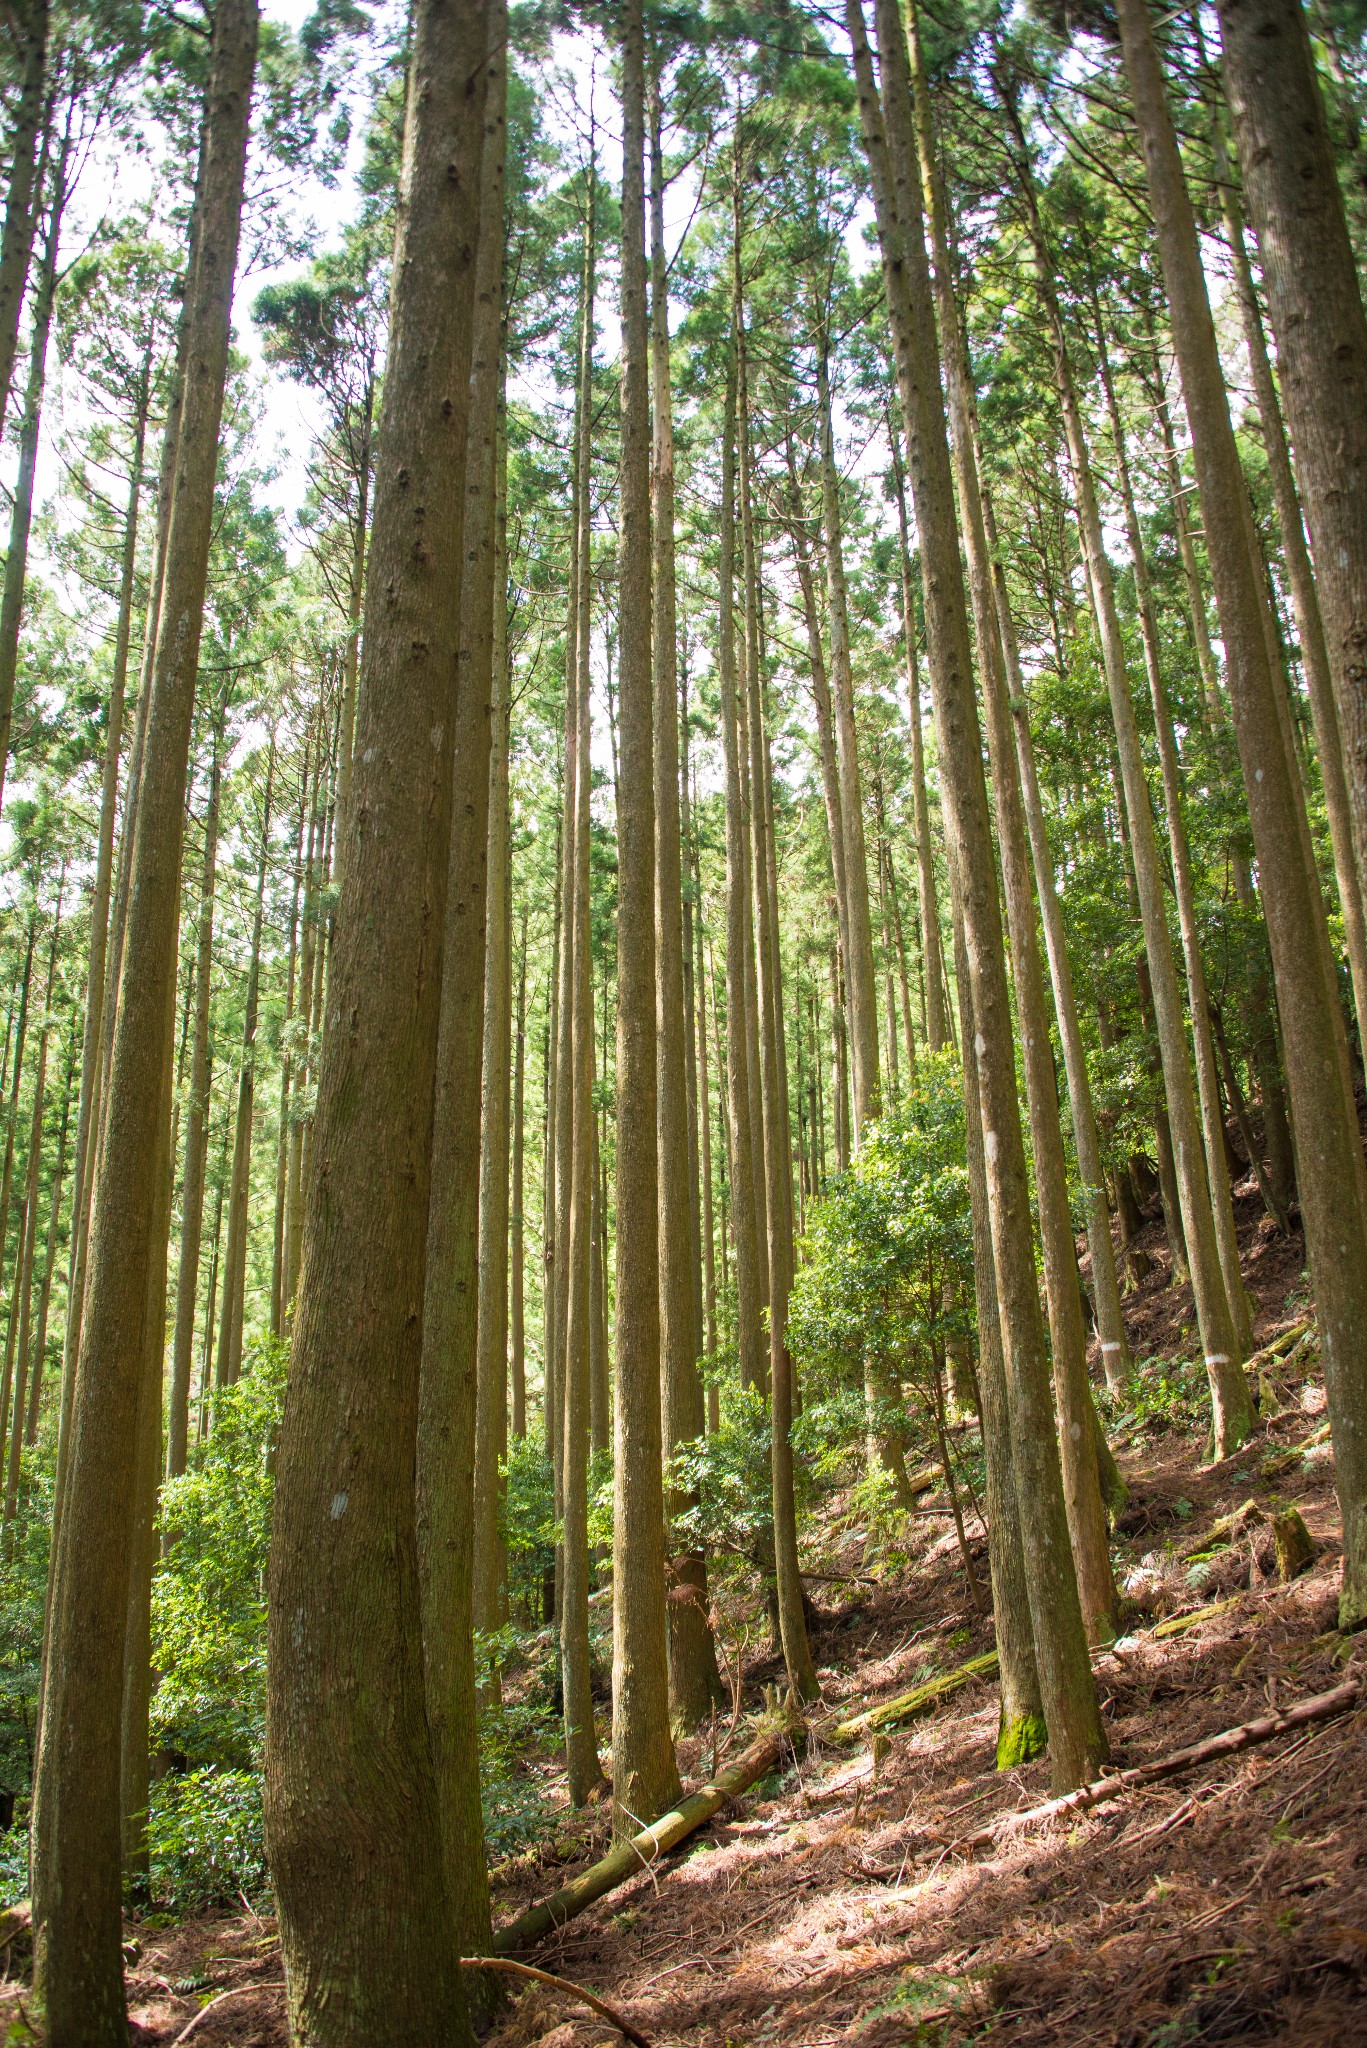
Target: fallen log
[
  {"x": 1323, "y": 1707},
  {"x": 919, "y": 1700},
  {"x": 572, "y": 1990},
  {"x": 629, "y": 1858}
]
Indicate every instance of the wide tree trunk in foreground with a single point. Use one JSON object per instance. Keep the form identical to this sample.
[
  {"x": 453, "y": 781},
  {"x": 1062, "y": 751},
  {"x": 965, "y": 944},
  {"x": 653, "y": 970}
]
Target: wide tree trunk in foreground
[
  {"x": 76, "y": 1831},
  {"x": 369, "y": 1937},
  {"x": 447, "y": 1399},
  {"x": 1333, "y": 1182},
  {"x": 645, "y": 1776}
]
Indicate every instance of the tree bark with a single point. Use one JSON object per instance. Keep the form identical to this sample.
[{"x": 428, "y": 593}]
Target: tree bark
[
  {"x": 21, "y": 511},
  {"x": 16, "y": 237},
  {"x": 76, "y": 1863},
  {"x": 1075, "y": 1731},
  {"x": 1333, "y": 1182},
  {"x": 859, "y": 977},
  {"x": 645, "y": 1774},
  {"x": 1231, "y": 1408},
  {"x": 695, "y": 1685},
  {"x": 448, "y": 1408},
  {"x": 230, "y": 1332},
  {"x": 1315, "y": 302},
  {"x": 352, "y": 1805}
]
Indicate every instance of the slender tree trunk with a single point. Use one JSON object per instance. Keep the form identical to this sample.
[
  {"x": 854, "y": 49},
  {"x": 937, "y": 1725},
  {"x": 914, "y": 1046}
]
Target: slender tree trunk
[
  {"x": 24, "y": 1259},
  {"x": 491, "y": 1369},
  {"x": 196, "y": 1146},
  {"x": 98, "y": 947},
  {"x": 1315, "y": 303},
  {"x": 1068, "y": 1335},
  {"x": 749, "y": 1335},
  {"x": 1231, "y": 1408},
  {"x": 1314, "y": 650},
  {"x": 695, "y": 1685},
  {"x": 76, "y": 1828},
  {"x": 239, "y": 1193},
  {"x": 1076, "y": 1738},
  {"x": 576, "y": 1236},
  {"x": 937, "y": 1025},
  {"x": 54, "y": 1218},
  {"x": 1333, "y": 1182},
  {"x": 645, "y": 1775},
  {"x": 1021, "y": 1733},
  {"x": 280, "y": 1239},
  {"x": 863, "y": 1011},
  {"x": 21, "y": 211},
  {"x": 21, "y": 510},
  {"x": 1207, "y": 1082},
  {"x": 517, "y": 1343}
]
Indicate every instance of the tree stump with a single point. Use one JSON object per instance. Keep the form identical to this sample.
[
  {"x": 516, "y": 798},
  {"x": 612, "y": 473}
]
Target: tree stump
[{"x": 1296, "y": 1547}]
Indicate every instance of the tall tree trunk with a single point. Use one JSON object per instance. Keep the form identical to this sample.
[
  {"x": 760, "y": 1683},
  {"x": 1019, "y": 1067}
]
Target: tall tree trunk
[
  {"x": 1315, "y": 303},
  {"x": 16, "y": 238},
  {"x": 645, "y": 1775},
  {"x": 196, "y": 1144},
  {"x": 695, "y": 1686},
  {"x": 745, "y": 1235},
  {"x": 54, "y": 1218},
  {"x": 1076, "y": 1739},
  {"x": 1231, "y": 1408},
  {"x": 576, "y": 1235},
  {"x": 239, "y": 1193},
  {"x": 1333, "y": 1182},
  {"x": 491, "y": 1365},
  {"x": 21, "y": 510},
  {"x": 1110, "y": 1322},
  {"x": 353, "y": 1807},
  {"x": 937, "y": 1026},
  {"x": 797, "y": 1655},
  {"x": 23, "y": 1264},
  {"x": 863, "y": 1012},
  {"x": 1068, "y": 1335},
  {"x": 1198, "y": 1003},
  {"x": 98, "y": 944},
  {"x": 1314, "y": 649},
  {"x": 76, "y": 1827},
  {"x": 280, "y": 1238},
  {"x": 448, "y": 1404},
  {"x": 517, "y": 1308}
]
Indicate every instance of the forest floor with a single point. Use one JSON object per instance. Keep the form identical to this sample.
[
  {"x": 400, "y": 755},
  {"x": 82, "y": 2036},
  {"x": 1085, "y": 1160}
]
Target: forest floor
[{"x": 1227, "y": 1904}]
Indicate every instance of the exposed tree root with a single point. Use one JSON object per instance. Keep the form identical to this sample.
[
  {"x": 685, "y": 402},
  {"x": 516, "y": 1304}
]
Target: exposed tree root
[{"x": 598, "y": 2005}]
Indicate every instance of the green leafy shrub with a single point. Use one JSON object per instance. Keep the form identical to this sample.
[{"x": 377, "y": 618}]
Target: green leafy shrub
[
  {"x": 209, "y": 1598},
  {"x": 206, "y": 1836}
]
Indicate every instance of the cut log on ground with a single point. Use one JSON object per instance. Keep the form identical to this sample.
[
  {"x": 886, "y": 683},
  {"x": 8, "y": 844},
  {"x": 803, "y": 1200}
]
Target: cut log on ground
[
  {"x": 588, "y": 1998},
  {"x": 628, "y": 1859},
  {"x": 919, "y": 1700},
  {"x": 1323, "y": 1707}
]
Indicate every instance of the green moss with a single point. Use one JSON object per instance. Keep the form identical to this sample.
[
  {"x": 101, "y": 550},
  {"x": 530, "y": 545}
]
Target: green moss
[{"x": 1021, "y": 1740}]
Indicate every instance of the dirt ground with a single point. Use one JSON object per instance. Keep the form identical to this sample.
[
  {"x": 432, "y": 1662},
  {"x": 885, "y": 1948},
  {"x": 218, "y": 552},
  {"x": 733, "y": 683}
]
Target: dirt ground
[{"x": 1227, "y": 1904}]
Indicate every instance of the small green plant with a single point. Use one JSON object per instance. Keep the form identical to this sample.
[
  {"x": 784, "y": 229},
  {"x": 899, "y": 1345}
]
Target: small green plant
[{"x": 206, "y": 1837}]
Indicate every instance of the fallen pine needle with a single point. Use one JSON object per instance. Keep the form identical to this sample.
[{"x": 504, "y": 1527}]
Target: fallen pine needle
[
  {"x": 598, "y": 2005},
  {"x": 238, "y": 1991}
]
